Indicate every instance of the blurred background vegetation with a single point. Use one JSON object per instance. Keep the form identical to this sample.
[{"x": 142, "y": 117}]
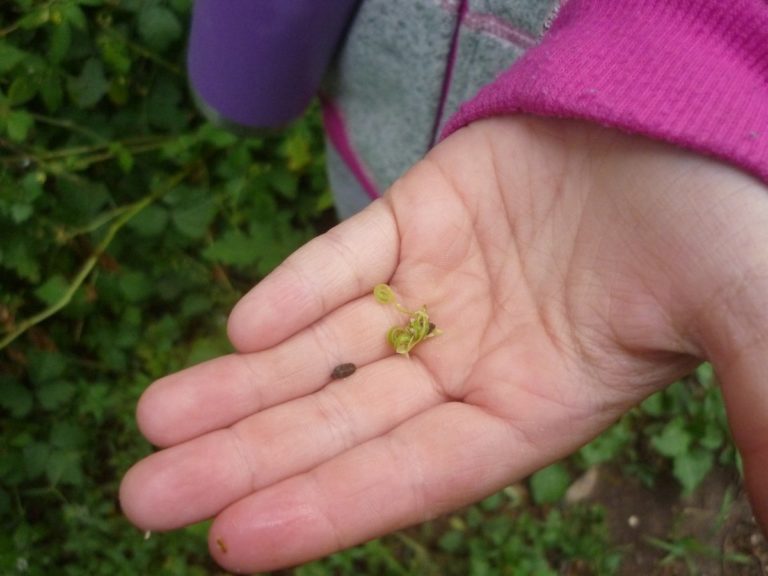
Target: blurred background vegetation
[{"x": 128, "y": 228}]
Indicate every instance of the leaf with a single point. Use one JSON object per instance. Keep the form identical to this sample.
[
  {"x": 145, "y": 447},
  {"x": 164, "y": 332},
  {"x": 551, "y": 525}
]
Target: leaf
[
  {"x": 36, "y": 18},
  {"x": 80, "y": 201},
  {"x": 194, "y": 212},
  {"x": 46, "y": 366},
  {"x": 608, "y": 445},
  {"x": 115, "y": 54},
  {"x": 22, "y": 90},
  {"x": 66, "y": 435},
  {"x": 15, "y": 398},
  {"x": 158, "y": 27},
  {"x": 16, "y": 254},
  {"x": 135, "y": 286},
  {"x": 653, "y": 405},
  {"x": 713, "y": 436},
  {"x": 63, "y": 467},
  {"x": 550, "y": 484},
  {"x": 53, "y": 289},
  {"x": 9, "y": 56},
  {"x": 36, "y": 458},
  {"x": 123, "y": 156},
  {"x": 90, "y": 86},
  {"x": 18, "y": 125},
  {"x": 162, "y": 106},
  {"x": 72, "y": 14},
  {"x": 285, "y": 182},
  {"x": 233, "y": 248},
  {"x": 150, "y": 222},
  {"x": 59, "y": 41},
  {"x": 51, "y": 91},
  {"x": 53, "y": 394},
  {"x": 297, "y": 150},
  {"x": 217, "y": 137},
  {"x": 674, "y": 439},
  {"x": 21, "y": 212},
  {"x": 691, "y": 467}
]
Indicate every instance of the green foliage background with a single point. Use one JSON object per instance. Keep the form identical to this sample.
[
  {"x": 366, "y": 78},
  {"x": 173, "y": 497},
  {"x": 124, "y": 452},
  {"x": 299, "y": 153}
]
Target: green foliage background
[{"x": 128, "y": 228}]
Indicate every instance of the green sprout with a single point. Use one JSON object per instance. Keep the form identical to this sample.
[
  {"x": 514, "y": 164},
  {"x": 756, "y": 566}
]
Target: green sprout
[{"x": 404, "y": 338}]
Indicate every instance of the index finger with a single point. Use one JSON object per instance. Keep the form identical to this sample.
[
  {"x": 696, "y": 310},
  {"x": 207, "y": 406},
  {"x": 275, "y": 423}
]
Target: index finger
[{"x": 331, "y": 270}]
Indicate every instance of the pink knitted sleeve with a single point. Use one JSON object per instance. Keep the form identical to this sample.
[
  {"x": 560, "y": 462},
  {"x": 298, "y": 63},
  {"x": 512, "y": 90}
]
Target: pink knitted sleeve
[{"x": 690, "y": 72}]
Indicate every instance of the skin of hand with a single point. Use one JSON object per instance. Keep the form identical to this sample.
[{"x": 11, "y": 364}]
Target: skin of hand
[{"x": 574, "y": 270}]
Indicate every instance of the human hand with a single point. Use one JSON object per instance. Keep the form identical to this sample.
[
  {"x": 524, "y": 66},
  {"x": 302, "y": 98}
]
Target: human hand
[{"x": 573, "y": 271}]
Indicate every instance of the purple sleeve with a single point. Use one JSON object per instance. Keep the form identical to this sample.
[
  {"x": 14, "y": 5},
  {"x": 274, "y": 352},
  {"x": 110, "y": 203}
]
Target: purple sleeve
[
  {"x": 259, "y": 62},
  {"x": 690, "y": 72}
]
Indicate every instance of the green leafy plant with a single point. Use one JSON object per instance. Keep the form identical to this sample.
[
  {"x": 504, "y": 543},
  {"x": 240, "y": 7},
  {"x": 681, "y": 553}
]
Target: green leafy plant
[
  {"x": 682, "y": 429},
  {"x": 128, "y": 227},
  {"x": 688, "y": 550}
]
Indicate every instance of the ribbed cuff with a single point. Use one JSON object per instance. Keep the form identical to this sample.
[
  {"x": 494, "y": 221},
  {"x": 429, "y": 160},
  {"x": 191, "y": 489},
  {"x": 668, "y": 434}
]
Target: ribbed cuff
[{"x": 690, "y": 72}]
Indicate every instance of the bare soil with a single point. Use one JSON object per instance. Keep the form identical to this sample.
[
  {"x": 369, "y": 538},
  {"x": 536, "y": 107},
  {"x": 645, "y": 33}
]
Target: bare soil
[{"x": 714, "y": 526}]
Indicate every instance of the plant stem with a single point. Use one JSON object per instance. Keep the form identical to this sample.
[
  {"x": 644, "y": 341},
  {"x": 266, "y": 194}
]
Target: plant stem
[
  {"x": 128, "y": 213},
  {"x": 143, "y": 51},
  {"x": 68, "y": 125}
]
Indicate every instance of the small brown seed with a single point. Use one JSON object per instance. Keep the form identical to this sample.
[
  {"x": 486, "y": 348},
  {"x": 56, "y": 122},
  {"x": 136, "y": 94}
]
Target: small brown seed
[
  {"x": 343, "y": 370},
  {"x": 221, "y": 545}
]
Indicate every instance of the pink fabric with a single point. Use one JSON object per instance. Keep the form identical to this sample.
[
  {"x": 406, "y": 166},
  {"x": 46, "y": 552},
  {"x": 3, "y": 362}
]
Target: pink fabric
[
  {"x": 338, "y": 136},
  {"x": 690, "y": 72}
]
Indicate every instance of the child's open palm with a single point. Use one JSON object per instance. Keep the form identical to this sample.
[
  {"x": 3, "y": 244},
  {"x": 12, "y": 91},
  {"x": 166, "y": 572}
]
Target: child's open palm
[{"x": 572, "y": 270}]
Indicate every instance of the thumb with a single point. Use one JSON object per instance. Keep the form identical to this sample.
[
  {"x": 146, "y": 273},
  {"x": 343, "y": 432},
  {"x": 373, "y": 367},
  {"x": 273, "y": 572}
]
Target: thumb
[
  {"x": 744, "y": 378},
  {"x": 734, "y": 326},
  {"x": 728, "y": 312}
]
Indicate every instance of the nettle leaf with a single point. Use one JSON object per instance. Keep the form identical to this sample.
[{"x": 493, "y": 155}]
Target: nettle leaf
[
  {"x": 162, "y": 105},
  {"x": 10, "y": 56},
  {"x": 550, "y": 484},
  {"x": 297, "y": 150},
  {"x": 285, "y": 182},
  {"x": 691, "y": 467},
  {"x": 15, "y": 398},
  {"x": 36, "y": 18},
  {"x": 51, "y": 91},
  {"x": 64, "y": 467},
  {"x": 674, "y": 439},
  {"x": 135, "y": 286},
  {"x": 67, "y": 435},
  {"x": 46, "y": 366},
  {"x": 22, "y": 90},
  {"x": 653, "y": 405},
  {"x": 36, "y": 456},
  {"x": 81, "y": 200},
  {"x": 51, "y": 395},
  {"x": 608, "y": 445},
  {"x": 115, "y": 53},
  {"x": 150, "y": 222},
  {"x": 21, "y": 212},
  {"x": 125, "y": 159},
  {"x": 182, "y": 6},
  {"x": 233, "y": 248},
  {"x": 713, "y": 437},
  {"x": 72, "y": 14},
  {"x": 216, "y": 136},
  {"x": 193, "y": 212},
  {"x": 52, "y": 290},
  {"x": 18, "y": 124},
  {"x": 59, "y": 41},
  {"x": 16, "y": 254},
  {"x": 90, "y": 86},
  {"x": 159, "y": 27}
]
